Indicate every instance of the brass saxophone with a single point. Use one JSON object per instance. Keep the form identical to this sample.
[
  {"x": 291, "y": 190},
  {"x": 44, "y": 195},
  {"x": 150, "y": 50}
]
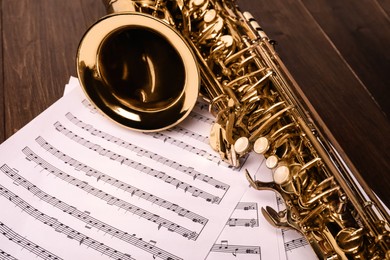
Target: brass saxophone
[{"x": 142, "y": 66}]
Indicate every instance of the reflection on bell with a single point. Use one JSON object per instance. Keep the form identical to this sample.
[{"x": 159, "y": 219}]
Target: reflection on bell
[{"x": 138, "y": 71}]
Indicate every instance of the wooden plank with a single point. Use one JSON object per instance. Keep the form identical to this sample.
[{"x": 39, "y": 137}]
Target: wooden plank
[
  {"x": 40, "y": 41},
  {"x": 361, "y": 33},
  {"x": 385, "y": 5},
  {"x": 336, "y": 93}
]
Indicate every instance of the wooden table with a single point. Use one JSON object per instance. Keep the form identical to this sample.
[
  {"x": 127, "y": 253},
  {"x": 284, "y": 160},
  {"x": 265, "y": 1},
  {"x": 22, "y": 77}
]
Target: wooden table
[{"x": 338, "y": 52}]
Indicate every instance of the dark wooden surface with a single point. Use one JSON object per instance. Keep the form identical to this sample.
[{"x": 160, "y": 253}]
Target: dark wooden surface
[{"x": 337, "y": 51}]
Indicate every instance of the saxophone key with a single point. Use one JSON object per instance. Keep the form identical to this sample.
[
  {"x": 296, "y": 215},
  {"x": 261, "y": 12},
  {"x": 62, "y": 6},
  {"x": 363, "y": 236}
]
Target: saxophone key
[
  {"x": 276, "y": 219},
  {"x": 230, "y": 127},
  {"x": 210, "y": 28},
  {"x": 210, "y": 16},
  {"x": 281, "y": 175},
  {"x": 272, "y": 161},
  {"x": 214, "y": 135},
  {"x": 350, "y": 240},
  {"x": 274, "y": 118},
  {"x": 288, "y": 178},
  {"x": 261, "y": 145},
  {"x": 234, "y": 158},
  {"x": 242, "y": 145},
  {"x": 198, "y": 2}
]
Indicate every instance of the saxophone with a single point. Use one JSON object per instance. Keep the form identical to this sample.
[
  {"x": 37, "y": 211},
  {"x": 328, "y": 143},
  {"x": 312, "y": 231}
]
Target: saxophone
[{"x": 211, "y": 48}]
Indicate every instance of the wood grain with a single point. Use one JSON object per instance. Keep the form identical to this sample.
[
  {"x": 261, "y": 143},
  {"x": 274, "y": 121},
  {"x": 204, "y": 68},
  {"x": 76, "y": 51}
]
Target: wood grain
[
  {"x": 337, "y": 51},
  {"x": 362, "y": 44},
  {"x": 39, "y": 43},
  {"x": 385, "y": 6}
]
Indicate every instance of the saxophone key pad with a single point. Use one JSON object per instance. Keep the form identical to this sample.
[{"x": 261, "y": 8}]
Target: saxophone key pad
[
  {"x": 199, "y": 2},
  {"x": 242, "y": 145},
  {"x": 210, "y": 16},
  {"x": 272, "y": 162},
  {"x": 261, "y": 145},
  {"x": 281, "y": 175}
]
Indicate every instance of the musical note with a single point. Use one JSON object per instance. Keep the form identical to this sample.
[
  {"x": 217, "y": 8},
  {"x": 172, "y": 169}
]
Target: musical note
[
  {"x": 252, "y": 223},
  {"x": 279, "y": 201},
  {"x": 231, "y": 222},
  {"x": 202, "y": 105}
]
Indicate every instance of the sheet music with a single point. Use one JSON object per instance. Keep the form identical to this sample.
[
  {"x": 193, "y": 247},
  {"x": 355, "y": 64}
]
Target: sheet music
[{"x": 74, "y": 185}]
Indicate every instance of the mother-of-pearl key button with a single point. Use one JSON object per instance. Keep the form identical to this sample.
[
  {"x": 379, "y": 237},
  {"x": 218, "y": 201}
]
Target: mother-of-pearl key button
[
  {"x": 199, "y": 2},
  {"x": 241, "y": 145},
  {"x": 261, "y": 145},
  {"x": 271, "y": 161},
  {"x": 210, "y": 16},
  {"x": 281, "y": 174}
]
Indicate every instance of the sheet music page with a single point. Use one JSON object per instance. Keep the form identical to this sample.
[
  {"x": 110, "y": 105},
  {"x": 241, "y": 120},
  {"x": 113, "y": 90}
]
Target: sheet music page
[{"x": 74, "y": 185}]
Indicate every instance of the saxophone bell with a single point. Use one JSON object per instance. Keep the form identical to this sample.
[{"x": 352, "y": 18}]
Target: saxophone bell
[{"x": 137, "y": 69}]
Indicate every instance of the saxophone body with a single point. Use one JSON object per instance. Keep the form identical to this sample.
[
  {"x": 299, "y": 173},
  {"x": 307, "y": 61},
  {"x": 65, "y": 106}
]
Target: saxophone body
[{"x": 259, "y": 107}]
